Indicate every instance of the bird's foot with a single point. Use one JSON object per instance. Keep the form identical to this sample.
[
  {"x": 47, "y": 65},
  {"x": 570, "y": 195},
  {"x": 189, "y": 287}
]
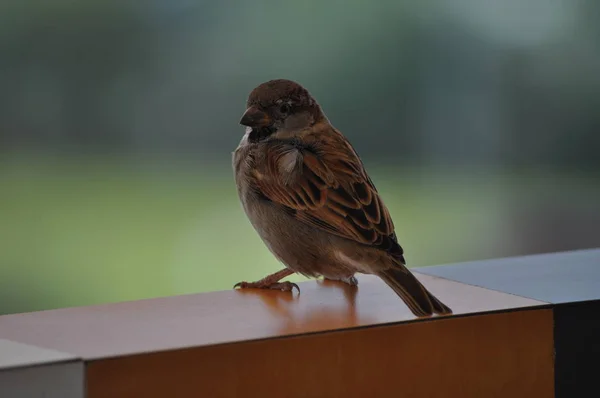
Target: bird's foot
[
  {"x": 271, "y": 282},
  {"x": 283, "y": 286},
  {"x": 350, "y": 280}
]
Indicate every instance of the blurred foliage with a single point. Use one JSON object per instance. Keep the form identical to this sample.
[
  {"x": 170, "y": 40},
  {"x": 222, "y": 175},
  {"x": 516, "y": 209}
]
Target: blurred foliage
[{"x": 478, "y": 121}]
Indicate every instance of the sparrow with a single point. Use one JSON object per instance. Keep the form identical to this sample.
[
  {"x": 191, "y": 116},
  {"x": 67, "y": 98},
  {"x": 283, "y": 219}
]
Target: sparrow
[{"x": 307, "y": 194}]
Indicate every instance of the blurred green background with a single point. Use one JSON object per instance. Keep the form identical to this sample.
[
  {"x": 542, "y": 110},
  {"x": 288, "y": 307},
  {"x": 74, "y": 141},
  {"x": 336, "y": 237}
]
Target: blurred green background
[{"x": 478, "y": 121}]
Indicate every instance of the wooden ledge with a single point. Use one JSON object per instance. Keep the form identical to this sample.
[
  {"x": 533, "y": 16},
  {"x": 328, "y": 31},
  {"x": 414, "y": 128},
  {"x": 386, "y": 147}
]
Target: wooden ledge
[
  {"x": 331, "y": 340},
  {"x": 231, "y": 316}
]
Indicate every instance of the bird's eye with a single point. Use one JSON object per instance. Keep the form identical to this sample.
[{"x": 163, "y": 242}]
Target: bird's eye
[{"x": 284, "y": 108}]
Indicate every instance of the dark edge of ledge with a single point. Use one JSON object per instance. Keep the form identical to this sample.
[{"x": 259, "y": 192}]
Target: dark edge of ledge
[{"x": 576, "y": 348}]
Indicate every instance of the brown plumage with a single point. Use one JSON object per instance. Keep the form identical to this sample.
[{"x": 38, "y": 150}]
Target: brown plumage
[{"x": 307, "y": 194}]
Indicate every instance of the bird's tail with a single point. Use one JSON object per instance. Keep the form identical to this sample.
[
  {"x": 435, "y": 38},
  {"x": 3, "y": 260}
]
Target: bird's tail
[{"x": 418, "y": 299}]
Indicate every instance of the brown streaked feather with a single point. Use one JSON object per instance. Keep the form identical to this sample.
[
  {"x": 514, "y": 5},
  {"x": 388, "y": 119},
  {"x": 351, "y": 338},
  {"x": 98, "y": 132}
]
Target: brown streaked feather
[{"x": 330, "y": 189}]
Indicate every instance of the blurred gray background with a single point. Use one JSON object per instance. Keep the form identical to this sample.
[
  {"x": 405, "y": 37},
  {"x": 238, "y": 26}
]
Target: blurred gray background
[{"x": 478, "y": 122}]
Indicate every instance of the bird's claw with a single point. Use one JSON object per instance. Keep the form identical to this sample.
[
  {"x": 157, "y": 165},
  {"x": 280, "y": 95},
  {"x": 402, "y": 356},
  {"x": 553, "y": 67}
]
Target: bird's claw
[
  {"x": 240, "y": 285},
  {"x": 283, "y": 286},
  {"x": 289, "y": 286},
  {"x": 352, "y": 281}
]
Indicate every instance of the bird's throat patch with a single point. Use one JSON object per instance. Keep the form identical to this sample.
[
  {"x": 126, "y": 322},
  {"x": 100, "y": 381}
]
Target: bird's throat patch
[{"x": 258, "y": 135}]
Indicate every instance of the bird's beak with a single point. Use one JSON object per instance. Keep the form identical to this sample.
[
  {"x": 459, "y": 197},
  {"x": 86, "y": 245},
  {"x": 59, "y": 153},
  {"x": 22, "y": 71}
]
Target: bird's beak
[{"x": 254, "y": 117}]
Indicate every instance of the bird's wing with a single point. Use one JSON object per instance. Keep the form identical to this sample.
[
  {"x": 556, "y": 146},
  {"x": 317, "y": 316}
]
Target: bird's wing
[{"x": 324, "y": 184}]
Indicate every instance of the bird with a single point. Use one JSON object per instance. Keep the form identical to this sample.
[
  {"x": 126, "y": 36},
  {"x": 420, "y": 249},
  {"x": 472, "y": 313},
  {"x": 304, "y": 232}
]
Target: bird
[{"x": 307, "y": 194}]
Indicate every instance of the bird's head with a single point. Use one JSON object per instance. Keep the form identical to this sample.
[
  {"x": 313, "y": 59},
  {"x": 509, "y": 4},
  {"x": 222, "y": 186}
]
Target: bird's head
[{"x": 280, "y": 108}]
